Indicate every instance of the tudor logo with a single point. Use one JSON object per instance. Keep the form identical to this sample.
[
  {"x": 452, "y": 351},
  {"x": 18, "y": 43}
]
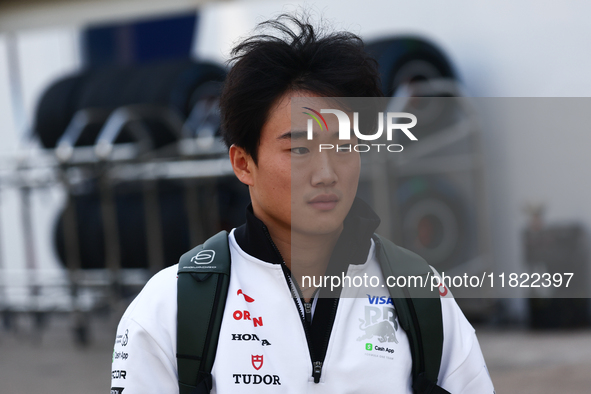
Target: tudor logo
[
  {"x": 256, "y": 379},
  {"x": 257, "y": 362},
  {"x": 203, "y": 257}
]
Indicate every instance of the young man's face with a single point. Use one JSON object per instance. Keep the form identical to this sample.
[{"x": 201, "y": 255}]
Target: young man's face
[{"x": 294, "y": 186}]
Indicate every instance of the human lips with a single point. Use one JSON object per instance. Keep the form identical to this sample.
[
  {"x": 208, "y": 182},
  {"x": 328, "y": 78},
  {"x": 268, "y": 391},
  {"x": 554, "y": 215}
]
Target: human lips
[{"x": 324, "y": 202}]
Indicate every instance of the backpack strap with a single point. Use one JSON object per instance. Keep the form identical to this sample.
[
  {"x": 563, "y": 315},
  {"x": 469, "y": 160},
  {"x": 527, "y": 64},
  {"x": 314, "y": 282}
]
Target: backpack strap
[
  {"x": 203, "y": 281},
  {"x": 419, "y": 313}
]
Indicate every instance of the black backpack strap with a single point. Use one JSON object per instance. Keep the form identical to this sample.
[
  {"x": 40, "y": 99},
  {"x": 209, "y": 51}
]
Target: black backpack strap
[
  {"x": 419, "y": 313},
  {"x": 422, "y": 385},
  {"x": 203, "y": 280}
]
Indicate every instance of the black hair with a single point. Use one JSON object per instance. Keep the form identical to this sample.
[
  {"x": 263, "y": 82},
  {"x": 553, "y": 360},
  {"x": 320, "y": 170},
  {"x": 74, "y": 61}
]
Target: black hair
[{"x": 267, "y": 66}]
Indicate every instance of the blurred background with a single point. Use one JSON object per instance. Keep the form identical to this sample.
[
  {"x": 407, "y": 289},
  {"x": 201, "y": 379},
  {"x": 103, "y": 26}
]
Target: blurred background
[{"x": 111, "y": 166}]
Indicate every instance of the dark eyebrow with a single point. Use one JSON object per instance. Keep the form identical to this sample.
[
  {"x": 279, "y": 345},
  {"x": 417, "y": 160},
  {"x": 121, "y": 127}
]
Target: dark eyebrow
[{"x": 294, "y": 135}]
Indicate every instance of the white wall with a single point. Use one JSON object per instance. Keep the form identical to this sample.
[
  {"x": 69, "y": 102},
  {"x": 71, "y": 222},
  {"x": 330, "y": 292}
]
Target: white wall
[
  {"x": 501, "y": 48},
  {"x": 38, "y": 57},
  {"x": 8, "y": 128}
]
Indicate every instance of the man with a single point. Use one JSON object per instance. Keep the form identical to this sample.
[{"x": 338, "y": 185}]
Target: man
[{"x": 279, "y": 334}]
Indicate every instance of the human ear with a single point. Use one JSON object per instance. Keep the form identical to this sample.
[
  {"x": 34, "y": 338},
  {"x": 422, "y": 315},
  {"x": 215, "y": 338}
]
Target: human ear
[{"x": 242, "y": 164}]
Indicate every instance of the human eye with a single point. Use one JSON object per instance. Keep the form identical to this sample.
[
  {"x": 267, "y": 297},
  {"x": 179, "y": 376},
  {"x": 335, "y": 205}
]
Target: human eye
[{"x": 300, "y": 150}]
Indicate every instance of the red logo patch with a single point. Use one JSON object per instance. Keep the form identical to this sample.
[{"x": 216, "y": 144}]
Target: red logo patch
[
  {"x": 257, "y": 360},
  {"x": 247, "y": 298}
]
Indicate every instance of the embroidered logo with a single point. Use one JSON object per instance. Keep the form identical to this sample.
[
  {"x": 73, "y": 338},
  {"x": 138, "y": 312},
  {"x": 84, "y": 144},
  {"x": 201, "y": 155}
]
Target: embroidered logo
[
  {"x": 247, "y": 298},
  {"x": 257, "y": 362},
  {"x": 203, "y": 257},
  {"x": 125, "y": 338}
]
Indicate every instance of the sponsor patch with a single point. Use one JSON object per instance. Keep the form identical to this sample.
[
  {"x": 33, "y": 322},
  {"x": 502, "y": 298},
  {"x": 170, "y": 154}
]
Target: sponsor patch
[
  {"x": 123, "y": 339},
  {"x": 120, "y": 355},
  {"x": 257, "y": 361},
  {"x": 380, "y": 322},
  {"x": 250, "y": 337},
  {"x": 256, "y": 379},
  {"x": 245, "y": 315},
  {"x": 379, "y": 300},
  {"x": 247, "y": 298}
]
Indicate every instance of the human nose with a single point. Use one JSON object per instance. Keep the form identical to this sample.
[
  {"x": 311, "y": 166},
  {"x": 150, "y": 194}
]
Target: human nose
[{"x": 323, "y": 173}]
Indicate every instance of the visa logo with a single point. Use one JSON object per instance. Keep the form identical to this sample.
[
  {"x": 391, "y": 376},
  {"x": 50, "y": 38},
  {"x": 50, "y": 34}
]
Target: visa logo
[{"x": 380, "y": 300}]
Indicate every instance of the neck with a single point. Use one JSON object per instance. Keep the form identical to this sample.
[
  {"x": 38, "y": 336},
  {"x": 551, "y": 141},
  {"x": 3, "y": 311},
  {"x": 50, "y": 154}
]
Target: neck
[
  {"x": 304, "y": 254},
  {"x": 310, "y": 255},
  {"x": 315, "y": 255}
]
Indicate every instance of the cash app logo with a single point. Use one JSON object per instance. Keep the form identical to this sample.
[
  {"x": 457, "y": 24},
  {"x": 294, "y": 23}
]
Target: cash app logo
[{"x": 368, "y": 346}]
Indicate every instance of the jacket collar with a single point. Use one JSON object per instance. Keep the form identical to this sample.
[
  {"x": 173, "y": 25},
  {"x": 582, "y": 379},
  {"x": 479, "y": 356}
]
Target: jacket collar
[{"x": 352, "y": 247}]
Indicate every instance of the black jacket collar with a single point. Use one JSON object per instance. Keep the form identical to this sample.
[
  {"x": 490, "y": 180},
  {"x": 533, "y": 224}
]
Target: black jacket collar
[{"x": 352, "y": 246}]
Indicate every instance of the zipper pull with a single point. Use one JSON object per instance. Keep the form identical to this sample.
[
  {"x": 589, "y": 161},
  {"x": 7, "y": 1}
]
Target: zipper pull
[
  {"x": 308, "y": 311},
  {"x": 317, "y": 371}
]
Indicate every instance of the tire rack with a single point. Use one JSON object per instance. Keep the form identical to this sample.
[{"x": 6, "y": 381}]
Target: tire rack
[
  {"x": 418, "y": 160},
  {"x": 385, "y": 173},
  {"x": 191, "y": 158}
]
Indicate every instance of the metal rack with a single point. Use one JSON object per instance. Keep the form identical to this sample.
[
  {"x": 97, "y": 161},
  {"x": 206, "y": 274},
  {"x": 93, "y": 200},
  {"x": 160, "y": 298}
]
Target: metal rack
[
  {"x": 452, "y": 153},
  {"x": 196, "y": 155}
]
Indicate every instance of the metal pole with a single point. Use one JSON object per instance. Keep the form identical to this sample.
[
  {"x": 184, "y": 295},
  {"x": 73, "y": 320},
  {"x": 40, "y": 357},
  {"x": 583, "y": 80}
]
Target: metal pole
[
  {"x": 192, "y": 207},
  {"x": 31, "y": 258},
  {"x": 4, "y": 310},
  {"x": 153, "y": 226},
  {"x": 73, "y": 263},
  {"x": 110, "y": 229},
  {"x": 211, "y": 215}
]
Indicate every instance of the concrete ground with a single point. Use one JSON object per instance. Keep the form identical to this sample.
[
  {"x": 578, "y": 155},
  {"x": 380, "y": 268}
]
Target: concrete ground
[
  {"x": 527, "y": 362},
  {"x": 519, "y": 361}
]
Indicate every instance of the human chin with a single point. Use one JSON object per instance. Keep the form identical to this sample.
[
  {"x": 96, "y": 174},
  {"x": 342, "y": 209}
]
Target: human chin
[
  {"x": 319, "y": 217},
  {"x": 315, "y": 226}
]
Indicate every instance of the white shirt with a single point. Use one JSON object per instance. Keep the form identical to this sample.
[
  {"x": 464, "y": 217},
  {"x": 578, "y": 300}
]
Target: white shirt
[{"x": 263, "y": 347}]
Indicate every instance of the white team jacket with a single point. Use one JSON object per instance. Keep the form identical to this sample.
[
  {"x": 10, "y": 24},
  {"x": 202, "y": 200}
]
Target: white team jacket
[{"x": 263, "y": 348}]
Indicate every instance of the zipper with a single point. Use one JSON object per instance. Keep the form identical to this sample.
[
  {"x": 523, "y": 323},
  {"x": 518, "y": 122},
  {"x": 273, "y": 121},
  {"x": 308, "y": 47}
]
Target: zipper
[
  {"x": 317, "y": 371},
  {"x": 308, "y": 306},
  {"x": 316, "y": 365},
  {"x": 326, "y": 339},
  {"x": 308, "y": 310},
  {"x": 296, "y": 292}
]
